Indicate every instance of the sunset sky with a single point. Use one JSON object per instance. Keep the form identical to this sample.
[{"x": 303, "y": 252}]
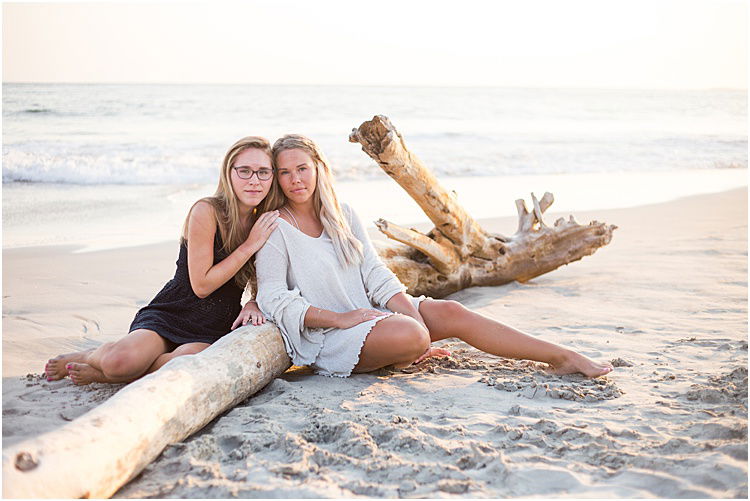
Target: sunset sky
[{"x": 574, "y": 43}]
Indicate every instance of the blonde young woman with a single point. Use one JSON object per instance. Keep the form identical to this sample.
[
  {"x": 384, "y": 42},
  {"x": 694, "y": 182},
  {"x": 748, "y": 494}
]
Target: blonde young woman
[
  {"x": 198, "y": 306},
  {"x": 341, "y": 310}
]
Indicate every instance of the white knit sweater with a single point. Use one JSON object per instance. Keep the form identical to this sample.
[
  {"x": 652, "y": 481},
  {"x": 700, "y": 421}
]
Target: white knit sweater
[{"x": 296, "y": 271}]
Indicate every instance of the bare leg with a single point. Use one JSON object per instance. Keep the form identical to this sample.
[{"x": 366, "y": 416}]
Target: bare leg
[
  {"x": 122, "y": 361},
  {"x": 83, "y": 374},
  {"x": 397, "y": 340},
  {"x": 447, "y": 319},
  {"x": 131, "y": 356},
  {"x": 183, "y": 349}
]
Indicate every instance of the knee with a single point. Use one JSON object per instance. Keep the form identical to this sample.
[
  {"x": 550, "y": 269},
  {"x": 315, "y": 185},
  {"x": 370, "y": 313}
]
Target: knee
[
  {"x": 119, "y": 363},
  {"x": 452, "y": 309},
  {"x": 445, "y": 311},
  {"x": 416, "y": 340}
]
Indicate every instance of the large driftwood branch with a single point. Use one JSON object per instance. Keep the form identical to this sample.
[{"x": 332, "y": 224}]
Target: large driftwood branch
[
  {"x": 457, "y": 252},
  {"x": 443, "y": 256},
  {"x": 382, "y": 142},
  {"x": 97, "y": 453}
]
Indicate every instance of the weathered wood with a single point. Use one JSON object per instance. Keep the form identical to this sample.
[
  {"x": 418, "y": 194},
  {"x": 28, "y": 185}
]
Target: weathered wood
[
  {"x": 97, "y": 453},
  {"x": 444, "y": 257},
  {"x": 526, "y": 219},
  {"x": 458, "y": 253},
  {"x": 382, "y": 142}
]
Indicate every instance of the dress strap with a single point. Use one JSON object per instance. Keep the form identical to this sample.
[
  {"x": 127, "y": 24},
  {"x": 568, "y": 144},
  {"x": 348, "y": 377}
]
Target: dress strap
[{"x": 294, "y": 219}]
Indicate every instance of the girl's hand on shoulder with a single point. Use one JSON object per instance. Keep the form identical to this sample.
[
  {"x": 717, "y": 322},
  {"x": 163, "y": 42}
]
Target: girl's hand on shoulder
[
  {"x": 262, "y": 229},
  {"x": 250, "y": 313},
  {"x": 356, "y": 317}
]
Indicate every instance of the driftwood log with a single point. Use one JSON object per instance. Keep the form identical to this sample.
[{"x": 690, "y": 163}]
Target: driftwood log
[
  {"x": 457, "y": 253},
  {"x": 97, "y": 453}
]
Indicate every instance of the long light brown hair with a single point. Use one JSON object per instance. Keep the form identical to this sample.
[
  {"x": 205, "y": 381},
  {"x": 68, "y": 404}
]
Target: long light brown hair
[
  {"x": 327, "y": 208},
  {"x": 229, "y": 221}
]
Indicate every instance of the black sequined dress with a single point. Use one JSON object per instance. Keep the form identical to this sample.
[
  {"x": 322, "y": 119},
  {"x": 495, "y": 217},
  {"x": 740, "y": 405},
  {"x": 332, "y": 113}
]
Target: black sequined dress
[{"x": 180, "y": 316}]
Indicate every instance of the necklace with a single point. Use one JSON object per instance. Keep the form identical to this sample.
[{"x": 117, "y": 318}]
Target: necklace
[{"x": 294, "y": 219}]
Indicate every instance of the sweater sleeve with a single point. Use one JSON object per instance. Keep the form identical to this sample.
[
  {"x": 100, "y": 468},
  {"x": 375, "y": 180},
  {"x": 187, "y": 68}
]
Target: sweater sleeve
[
  {"x": 281, "y": 302},
  {"x": 381, "y": 283}
]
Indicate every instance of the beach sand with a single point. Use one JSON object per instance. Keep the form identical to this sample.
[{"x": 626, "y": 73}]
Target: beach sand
[{"x": 666, "y": 301}]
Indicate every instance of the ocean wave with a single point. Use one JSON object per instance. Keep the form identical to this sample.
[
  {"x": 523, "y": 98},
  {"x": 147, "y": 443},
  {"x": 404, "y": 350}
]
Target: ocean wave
[
  {"x": 159, "y": 168},
  {"x": 23, "y": 167},
  {"x": 34, "y": 113},
  {"x": 729, "y": 165},
  {"x": 37, "y": 110},
  {"x": 177, "y": 135}
]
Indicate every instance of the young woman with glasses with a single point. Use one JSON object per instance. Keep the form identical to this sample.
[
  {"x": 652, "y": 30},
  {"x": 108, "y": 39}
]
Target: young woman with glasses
[
  {"x": 199, "y": 305},
  {"x": 341, "y": 310}
]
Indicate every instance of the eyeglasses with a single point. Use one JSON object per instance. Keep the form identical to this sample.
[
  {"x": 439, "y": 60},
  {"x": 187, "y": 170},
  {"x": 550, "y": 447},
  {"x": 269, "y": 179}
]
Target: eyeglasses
[{"x": 247, "y": 173}]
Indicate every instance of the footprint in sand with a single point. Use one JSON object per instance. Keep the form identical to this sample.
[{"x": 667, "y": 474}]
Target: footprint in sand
[
  {"x": 277, "y": 388},
  {"x": 89, "y": 326}
]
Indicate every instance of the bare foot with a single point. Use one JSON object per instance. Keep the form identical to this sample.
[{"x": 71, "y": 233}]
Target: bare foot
[
  {"x": 575, "y": 362},
  {"x": 432, "y": 352},
  {"x": 55, "y": 369},
  {"x": 83, "y": 374}
]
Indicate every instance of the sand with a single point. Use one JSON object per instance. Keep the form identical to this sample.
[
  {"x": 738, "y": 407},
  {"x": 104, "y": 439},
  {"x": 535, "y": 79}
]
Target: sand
[{"x": 666, "y": 301}]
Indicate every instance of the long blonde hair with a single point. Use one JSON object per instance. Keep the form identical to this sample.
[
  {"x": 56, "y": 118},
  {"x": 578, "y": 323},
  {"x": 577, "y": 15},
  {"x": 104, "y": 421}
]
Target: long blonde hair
[
  {"x": 232, "y": 229},
  {"x": 327, "y": 208}
]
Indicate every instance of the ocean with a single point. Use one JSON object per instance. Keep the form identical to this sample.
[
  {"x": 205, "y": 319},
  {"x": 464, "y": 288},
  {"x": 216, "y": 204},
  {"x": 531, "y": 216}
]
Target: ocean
[{"x": 87, "y": 153}]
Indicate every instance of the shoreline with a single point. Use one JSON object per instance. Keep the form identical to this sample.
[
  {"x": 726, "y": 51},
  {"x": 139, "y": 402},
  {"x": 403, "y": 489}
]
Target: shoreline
[
  {"x": 122, "y": 216},
  {"x": 507, "y": 222}
]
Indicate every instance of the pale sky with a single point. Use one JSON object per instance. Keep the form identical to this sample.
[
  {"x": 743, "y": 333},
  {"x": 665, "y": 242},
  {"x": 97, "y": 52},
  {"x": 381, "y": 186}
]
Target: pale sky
[{"x": 571, "y": 43}]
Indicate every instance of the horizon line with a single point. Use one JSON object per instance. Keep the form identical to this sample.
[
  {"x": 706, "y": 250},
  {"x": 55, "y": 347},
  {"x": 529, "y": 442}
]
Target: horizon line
[{"x": 496, "y": 86}]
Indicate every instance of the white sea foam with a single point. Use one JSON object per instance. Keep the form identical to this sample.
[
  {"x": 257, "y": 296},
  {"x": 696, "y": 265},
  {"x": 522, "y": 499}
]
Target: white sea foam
[{"x": 122, "y": 167}]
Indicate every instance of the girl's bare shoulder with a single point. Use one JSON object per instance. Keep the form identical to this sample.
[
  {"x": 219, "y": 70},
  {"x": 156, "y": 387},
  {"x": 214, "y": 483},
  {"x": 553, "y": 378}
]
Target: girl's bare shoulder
[{"x": 203, "y": 209}]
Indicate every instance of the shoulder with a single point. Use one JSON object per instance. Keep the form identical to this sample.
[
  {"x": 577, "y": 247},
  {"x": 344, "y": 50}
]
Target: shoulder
[
  {"x": 203, "y": 210},
  {"x": 277, "y": 240},
  {"x": 202, "y": 216},
  {"x": 353, "y": 220},
  {"x": 348, "y": 213}
]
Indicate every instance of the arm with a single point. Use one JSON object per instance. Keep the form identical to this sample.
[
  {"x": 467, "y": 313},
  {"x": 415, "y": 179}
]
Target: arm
[
  {"x": 381, "y": 284},
  {"x": 287, "y": 307},
  {"x": 206, "y": 277},
  {"x": 318, "y": 317},
  {"x": 383, "y": 287},
  {"x": 284, "y": 306},
  {"x": 314, "y": 317},
  {"x": 401, "y": 304}
]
